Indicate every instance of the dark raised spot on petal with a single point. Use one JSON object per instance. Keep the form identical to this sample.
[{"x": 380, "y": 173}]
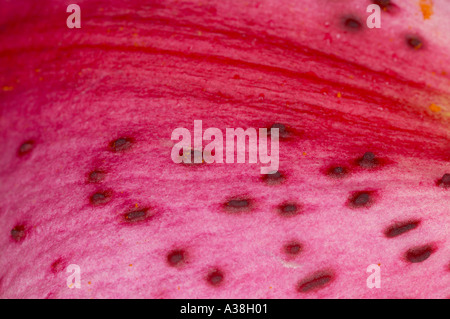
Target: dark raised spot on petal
[
  {"x": 137, "y": 215},
  {"x": 316, "y": 281},
  {"x": 289, "y": 209},
  {"x": 414, "y": 42},
  {"x": 283, "y": 131},
  {"x": 25, "y": 148},
  {"x": 176, "y": 258},
  {"x": 399, "y": 228},
  {"x": 275, "y": 178},
  {"x": 238, "y": 204},
  {"x": 368, "y": 160},
  {"x": 96, "y": 176},
  {"x": 337, "y": 172},
  {"x": 286, "y": 133},
  {"x": 101, "y": 197},
  {"x": 386, "y": 5},
  {"x": 444, "y": 182},
  {"x": 361, "y": 199},
  {"x": 215, "y": 277},
  {"x": 58, "y": 265},
  {"x": 121, "y": 144},
  {"x": 420, "y": 253},
  {"x": 292, "y": 248},
  {"x": 352, "y": 23},
  {"x": 18, "y": 233}
]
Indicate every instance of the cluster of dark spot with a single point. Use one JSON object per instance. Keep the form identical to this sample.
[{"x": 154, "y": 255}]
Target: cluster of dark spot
[
  {"x": 121, "y": 144},
  {"x": 400, "y": 228},
  {"x": 18, "y": 233},
  {"x": 215, "y": 277},
  {"x": 316, "y": 281},
  {"x": 361, "y": 199},
  {"x": 358, "y": 199},
  {"x": 444, "y": 182},
  {"x": 96, "y": 176},
  {"x": 352, "y": 23},
  {"x": 25, "y": 148},
  {"x": 104, "y": 196},
  {"x": 101, "y": 197},
  {"x": 367, "y": 161},
  {"x": 176, "y": 258},
  {"x": 419, "y": 254},
  {"x": 286, "y": 209}
]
